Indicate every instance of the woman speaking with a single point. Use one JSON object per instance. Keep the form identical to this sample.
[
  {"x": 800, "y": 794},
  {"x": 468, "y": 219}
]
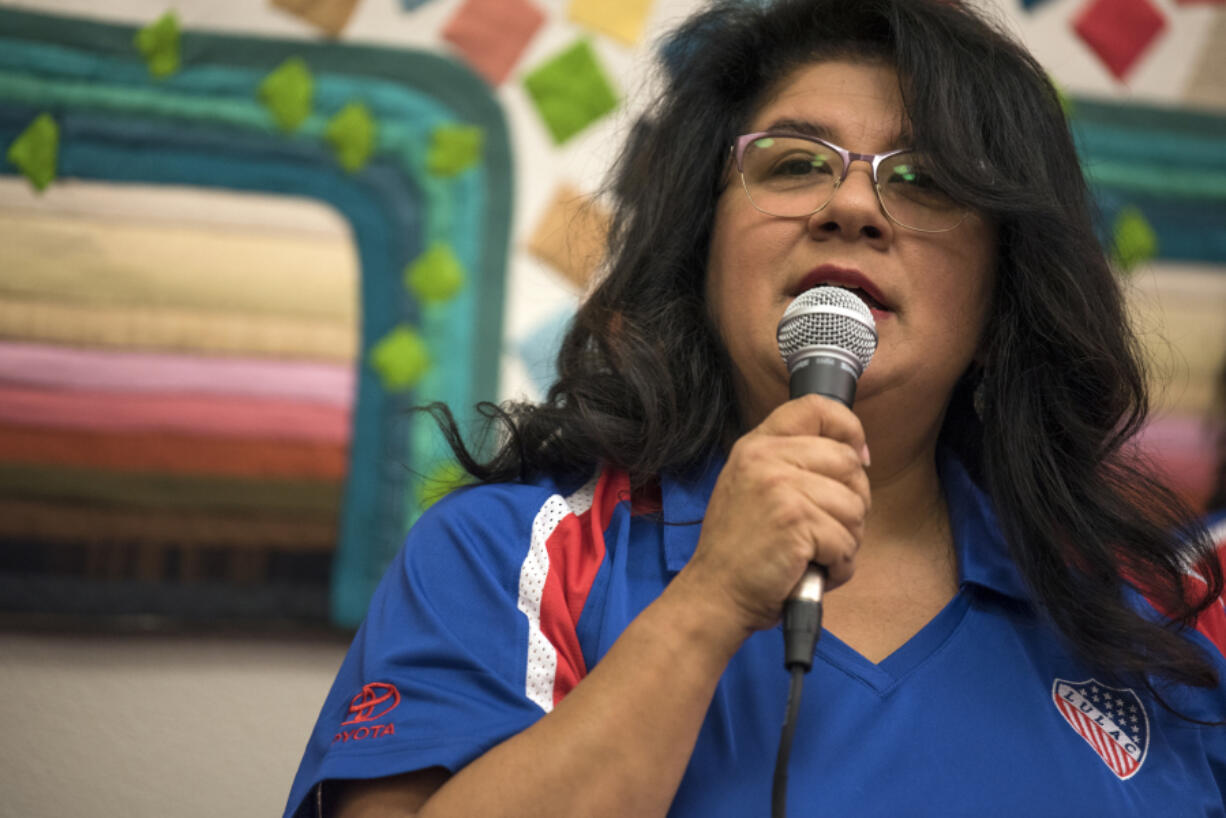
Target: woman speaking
[{"x": 1018, "y": 618}]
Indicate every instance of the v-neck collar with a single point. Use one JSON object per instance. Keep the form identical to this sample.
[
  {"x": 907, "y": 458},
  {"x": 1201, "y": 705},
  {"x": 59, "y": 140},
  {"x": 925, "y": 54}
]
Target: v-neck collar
[{"x": 884, "y": 675}]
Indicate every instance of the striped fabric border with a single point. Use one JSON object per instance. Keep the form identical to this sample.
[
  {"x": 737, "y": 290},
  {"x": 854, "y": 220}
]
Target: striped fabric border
[
  {"x": 59, "y": 367},
  {"x": 170, "y": 453}
]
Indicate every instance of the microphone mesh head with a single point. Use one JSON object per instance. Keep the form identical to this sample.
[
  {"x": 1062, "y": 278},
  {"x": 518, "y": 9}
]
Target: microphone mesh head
[{"x": 828, "y": 316}]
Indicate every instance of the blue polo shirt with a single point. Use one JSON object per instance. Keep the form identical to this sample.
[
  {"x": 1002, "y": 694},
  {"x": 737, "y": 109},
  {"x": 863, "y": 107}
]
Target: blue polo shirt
[{"x": 504, "y": 596}]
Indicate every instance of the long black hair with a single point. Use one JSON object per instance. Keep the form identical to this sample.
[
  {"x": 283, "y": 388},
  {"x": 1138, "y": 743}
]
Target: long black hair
[{"x": 644, "y": 383}]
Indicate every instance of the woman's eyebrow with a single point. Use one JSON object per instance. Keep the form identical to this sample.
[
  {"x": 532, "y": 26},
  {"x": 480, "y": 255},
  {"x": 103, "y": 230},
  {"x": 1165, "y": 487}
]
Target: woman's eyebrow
[
  {"x": 802, "y": 126},
  {"x": 820, "y": 130}
]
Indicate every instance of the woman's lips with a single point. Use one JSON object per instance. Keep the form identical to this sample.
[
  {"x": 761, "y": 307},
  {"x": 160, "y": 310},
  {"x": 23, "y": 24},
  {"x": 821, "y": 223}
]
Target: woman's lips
[
  {"x": 846, "y": 278},
  {"x": 878, "y": 309}
]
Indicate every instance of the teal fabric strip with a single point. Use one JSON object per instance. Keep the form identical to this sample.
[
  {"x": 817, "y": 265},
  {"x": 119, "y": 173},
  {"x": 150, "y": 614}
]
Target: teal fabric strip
[
  {"x": 225, "y": 95},
  {"x": 1168, "y": 163},
  {"x": 1151, "y": 179}
]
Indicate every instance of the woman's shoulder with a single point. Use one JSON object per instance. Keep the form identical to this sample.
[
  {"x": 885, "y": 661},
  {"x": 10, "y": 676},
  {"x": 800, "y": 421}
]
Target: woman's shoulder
[
  {"x": 518, "y": 499},
  {"x": 1211, "y": 623},
  {"x": 513, "y": 516},
  {"x": 1215, "y": 523}
]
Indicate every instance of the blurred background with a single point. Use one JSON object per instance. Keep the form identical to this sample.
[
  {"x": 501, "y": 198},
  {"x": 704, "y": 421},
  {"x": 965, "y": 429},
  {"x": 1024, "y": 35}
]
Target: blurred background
[{"x": 238, "y": 240}]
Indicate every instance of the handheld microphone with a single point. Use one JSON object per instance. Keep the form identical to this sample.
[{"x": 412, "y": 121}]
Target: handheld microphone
[{"x": 826, "y": 337}]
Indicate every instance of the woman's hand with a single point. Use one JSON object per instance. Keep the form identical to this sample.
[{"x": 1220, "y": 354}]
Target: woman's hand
[{"x": 793, "y": 491}]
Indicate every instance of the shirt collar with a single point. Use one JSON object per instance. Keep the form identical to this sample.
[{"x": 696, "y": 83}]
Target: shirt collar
[
  {"x": 983, "y": 557},
  {"x": 684, "y": 495}
]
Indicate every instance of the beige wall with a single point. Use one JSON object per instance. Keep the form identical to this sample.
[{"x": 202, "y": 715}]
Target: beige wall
[{"x": 153, "y": 726}]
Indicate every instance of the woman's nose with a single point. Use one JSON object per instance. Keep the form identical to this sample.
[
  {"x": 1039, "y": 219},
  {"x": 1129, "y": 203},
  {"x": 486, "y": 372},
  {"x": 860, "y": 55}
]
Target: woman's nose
[{"x": 855, "y": 208}]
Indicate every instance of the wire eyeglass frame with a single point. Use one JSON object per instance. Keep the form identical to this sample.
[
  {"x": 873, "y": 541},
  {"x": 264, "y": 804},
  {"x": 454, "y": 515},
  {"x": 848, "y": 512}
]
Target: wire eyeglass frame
[{"x": 874, "y": 161}]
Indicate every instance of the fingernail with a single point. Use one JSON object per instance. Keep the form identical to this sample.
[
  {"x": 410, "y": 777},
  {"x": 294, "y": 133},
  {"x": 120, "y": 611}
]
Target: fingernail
[{"x": 865, "y": 457}]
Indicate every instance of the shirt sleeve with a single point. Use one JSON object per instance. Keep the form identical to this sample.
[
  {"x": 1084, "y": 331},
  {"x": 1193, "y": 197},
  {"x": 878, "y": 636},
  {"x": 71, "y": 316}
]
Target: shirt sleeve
[
  {"x": 1209, "y": 706},
  {"x": 436, "y": 673},
  {"x": 1212, "y": 622}
]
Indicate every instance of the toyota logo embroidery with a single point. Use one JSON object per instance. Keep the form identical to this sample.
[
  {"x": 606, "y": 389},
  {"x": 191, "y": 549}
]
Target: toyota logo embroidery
[{"x": 376, "y": 700}]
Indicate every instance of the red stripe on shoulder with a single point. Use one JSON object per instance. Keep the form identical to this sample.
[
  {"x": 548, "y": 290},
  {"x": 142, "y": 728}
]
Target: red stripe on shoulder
[
  {"x": 1212, "y": 622},
  {"x": 576, "y": 551}
]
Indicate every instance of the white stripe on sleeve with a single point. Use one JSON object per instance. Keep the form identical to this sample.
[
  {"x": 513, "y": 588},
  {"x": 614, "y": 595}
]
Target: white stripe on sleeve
[{"x": 542, "y": 666}]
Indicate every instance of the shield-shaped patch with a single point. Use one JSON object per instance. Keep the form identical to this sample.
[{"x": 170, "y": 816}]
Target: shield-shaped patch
[{"x": 1112, "y": 720}]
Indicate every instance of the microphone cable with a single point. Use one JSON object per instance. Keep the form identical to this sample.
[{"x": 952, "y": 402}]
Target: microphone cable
[
  {"x": 779, "y": 787},
  {"x": 802, "y": 625}
]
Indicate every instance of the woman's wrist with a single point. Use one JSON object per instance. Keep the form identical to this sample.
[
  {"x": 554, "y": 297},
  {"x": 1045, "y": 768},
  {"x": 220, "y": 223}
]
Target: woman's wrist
[{"x": 704, "y": 618}]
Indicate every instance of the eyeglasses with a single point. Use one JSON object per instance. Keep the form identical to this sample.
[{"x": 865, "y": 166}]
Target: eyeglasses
[{"x": 793, "y": 175}]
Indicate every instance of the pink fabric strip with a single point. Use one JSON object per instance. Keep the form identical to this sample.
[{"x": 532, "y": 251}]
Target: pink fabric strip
[
  {"x": 24, "y": 364},
  {"x": 206, "y": 415}
]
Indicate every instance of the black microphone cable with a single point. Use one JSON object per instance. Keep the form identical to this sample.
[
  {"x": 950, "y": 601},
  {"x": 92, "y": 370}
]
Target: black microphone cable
[
  {"x": 779, "y": 786},
  {"x": 802, "y": 625}
]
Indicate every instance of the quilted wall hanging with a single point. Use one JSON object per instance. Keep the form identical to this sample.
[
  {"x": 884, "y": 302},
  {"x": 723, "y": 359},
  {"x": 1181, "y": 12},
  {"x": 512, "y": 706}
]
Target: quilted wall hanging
[
  {"x": 1158, "y": 176},
  {"x": 194, "y": 437}
]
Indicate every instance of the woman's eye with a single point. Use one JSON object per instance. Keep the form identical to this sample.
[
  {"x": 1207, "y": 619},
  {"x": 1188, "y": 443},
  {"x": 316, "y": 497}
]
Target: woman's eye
[
  {"x": 802, "y": 166},
  {"x": 910, "y": 176}
]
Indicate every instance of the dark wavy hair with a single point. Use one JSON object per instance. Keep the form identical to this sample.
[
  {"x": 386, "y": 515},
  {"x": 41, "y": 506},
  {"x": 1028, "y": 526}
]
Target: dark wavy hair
[{"x": 644, "y": 382}]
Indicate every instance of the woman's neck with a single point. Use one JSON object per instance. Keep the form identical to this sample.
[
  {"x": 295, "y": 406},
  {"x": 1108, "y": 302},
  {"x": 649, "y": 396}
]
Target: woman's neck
[
  {"x": 908, "y": 502},
  {"x": 908, "y": 508},
  {"x": 906, "y": 568}
]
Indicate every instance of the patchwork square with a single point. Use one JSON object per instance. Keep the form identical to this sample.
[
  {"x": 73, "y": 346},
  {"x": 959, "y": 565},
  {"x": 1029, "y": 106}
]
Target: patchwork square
[
  {"x": 1119, "y": 31},
  {"x": 491, "y": 35},
  {"x": 570, "y": 91},
  {"x": 621, "y": 19}
]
